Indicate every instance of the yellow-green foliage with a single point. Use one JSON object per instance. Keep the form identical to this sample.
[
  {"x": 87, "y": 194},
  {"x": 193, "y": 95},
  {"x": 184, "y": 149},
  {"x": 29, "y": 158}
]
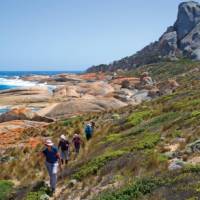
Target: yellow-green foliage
[
  {"x": 177, "y": 133},
  {"x": 38, "y": 191},
  {"x": 147, "y": 185},
  {"x": 132, "y": 191},
  {"x": 185, "y": 104},
  {"x": 113, "y": 138},
  {"x": 35, "y": 195},
  {"x": 147, "y": 141},
  {"x": 5, "y": 189},
  {"x": 94, "y": 165},
  {"x": 193, "y": 198},
  {"x": 196, "y": 113},
  {"x": 137, "y": 117}
]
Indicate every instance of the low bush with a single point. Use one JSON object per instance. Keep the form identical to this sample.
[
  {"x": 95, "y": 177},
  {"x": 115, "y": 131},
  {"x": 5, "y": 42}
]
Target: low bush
[
  {"x": 133, "y": 191},
  {"x": 94, "y": 165},
  {"x": 6, "y": 188},
  {"x": 137, "y": 117},
  {"x": 147, "y": 141}
]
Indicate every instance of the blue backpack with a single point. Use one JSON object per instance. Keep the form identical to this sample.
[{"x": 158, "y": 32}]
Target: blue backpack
[{"x": 88, "y": 130}]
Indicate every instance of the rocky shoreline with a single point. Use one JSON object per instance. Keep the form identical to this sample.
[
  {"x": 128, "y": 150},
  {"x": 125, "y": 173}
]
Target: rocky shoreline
[
  {"x": 75, "y": 94},
  {"x": 66, "y": 95}
]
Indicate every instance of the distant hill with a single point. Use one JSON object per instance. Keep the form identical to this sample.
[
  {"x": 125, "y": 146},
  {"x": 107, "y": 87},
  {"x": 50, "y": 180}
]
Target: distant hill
[{"x": 180, "y": 40}]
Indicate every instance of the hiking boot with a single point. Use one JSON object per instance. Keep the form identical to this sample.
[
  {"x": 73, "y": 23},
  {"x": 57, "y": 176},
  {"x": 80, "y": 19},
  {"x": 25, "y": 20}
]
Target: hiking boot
[{"x": 52, "y": 192}]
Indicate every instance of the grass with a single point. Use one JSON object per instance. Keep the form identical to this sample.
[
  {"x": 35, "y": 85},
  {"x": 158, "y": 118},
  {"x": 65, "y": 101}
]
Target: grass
[
  {"x": 6, "y": 188},
  {"x": 92, "y": 167}
]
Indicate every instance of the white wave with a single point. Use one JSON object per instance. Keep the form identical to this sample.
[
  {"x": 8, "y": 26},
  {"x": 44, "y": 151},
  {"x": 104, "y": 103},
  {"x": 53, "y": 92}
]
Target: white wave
[
  {"x": 5, "y": 107},
  {"x": 17, "y": 82}
]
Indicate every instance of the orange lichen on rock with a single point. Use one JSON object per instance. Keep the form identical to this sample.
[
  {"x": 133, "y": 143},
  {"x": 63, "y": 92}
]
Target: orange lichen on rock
[
  {"x": 93, "y": 76},
  {"x": 34, "y": 142},
  {"x": 132, "y": 80},
  {"x": 12, "y": 132}
]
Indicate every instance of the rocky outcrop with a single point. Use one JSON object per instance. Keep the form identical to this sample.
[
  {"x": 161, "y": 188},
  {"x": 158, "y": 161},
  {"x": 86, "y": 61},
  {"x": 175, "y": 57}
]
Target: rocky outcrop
[
  {"x": 98, "y": 88},
  {"x": 23, "y": 114},
  {"x": 180, "y": 40},
  {"x": 81, "y": 106},
  {"x": 188, "y": 18},
  {"x": 11, "y": 133}
]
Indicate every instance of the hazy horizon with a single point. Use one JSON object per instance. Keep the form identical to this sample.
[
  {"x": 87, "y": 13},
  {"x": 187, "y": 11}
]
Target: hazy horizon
[{"x": 67, "y": 35}]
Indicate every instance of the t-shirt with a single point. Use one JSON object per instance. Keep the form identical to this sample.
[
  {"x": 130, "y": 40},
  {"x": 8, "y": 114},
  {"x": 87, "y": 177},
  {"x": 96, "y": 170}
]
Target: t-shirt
[
  {"x": 51, "y": 156},
  {"x": 76, "y": 140},
  {"x": 64, "y": 145}
]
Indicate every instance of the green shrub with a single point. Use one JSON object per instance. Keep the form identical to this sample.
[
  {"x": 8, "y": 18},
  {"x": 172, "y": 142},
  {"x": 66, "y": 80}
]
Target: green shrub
[
  {"x": 94, "y": 165},
  {"x": 37, "y": 193},
  {"x": 159, "y": 121},
  {"x": 191, "y": 168},
  {"x": 132, "y": 191},
  {"x": 148, "y": 141},
  {"x": 113, "y": 138},
  {"x": 137, "y": 117},
  {"x": 195, "y": 113},
  {"x": 5, "y": 189},
  {"x": 177, "y": 133}
]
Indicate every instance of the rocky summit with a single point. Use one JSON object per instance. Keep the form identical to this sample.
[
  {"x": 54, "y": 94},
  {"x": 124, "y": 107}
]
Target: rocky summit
[{"x": 180, "y": 40}]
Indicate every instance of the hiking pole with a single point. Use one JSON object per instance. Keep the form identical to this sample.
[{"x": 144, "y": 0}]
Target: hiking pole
[{"x": 61, "y": 171}]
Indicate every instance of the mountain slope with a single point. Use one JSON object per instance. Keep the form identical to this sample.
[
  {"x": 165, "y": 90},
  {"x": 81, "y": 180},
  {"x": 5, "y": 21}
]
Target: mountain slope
[{"x": 180, "y": 40}]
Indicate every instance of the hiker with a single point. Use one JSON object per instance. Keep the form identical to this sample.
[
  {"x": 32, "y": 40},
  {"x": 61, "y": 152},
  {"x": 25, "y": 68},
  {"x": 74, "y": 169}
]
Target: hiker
[
  {"x": 89, "y": 130},
  {"x": 77, "y": 142},
  {"x": 52, "y": 162},
  {"x": 63, "y": 145}
]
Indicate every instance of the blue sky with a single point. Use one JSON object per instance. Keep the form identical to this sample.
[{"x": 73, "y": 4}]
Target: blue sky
[{"x": 75, "y": 34}]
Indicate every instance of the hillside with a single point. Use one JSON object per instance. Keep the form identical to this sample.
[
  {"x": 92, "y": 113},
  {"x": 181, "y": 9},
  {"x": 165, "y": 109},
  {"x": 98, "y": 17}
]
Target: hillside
[
  {"x": 148, "y": 151},
  {"x": 181, "y": 40}
]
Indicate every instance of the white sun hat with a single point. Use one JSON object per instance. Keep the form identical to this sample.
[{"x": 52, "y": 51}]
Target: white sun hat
[
  {"x": 48, "y": 142},
  {"x": 63, "y": 137}
]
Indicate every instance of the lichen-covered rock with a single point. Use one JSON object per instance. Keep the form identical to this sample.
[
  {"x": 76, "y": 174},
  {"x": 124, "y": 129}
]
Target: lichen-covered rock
[
  {"x": 23, "y": 114},
  {"x": 176, "y": 164},
  {"x": 194, "y": 147},
  {"x": 72, "y": 183}
]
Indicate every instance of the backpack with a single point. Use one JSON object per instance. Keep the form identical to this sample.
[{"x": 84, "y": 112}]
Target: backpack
[
  {"x": 77, "y": 140},
  {"x": 64, "y": 145},
  {"x": 88, "y": 130}
]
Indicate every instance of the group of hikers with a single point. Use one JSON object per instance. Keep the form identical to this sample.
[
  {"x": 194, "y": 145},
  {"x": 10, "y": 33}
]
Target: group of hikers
[{"x": 56, "y": 156}]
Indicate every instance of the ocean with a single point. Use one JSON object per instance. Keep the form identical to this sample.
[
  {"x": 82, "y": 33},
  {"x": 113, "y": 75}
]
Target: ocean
[{"x": 11, "y": 79}]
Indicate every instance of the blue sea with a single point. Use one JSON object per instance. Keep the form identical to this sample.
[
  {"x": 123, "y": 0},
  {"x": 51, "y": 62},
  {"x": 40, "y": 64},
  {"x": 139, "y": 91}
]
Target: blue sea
[{"x": 11, "y": 79}]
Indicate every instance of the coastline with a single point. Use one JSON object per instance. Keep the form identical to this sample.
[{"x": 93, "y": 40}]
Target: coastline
[{"x": 64, "y": 95}]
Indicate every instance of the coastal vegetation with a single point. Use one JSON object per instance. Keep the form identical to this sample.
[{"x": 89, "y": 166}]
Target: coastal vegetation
[{"x": 129, "y": 155}]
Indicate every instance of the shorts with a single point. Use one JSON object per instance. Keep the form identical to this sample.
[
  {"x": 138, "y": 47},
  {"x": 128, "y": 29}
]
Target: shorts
[{"x": 64, "y": 155}]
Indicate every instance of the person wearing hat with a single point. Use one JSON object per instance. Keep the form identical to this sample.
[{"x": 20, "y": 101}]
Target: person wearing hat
[
  {"x": 89, "y": 130},
  {"x": 52, "y": 162},
  {"x": 63, "y": 145}
]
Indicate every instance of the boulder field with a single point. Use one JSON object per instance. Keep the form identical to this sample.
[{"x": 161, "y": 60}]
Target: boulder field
[{"x": 89, "y": 93}]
